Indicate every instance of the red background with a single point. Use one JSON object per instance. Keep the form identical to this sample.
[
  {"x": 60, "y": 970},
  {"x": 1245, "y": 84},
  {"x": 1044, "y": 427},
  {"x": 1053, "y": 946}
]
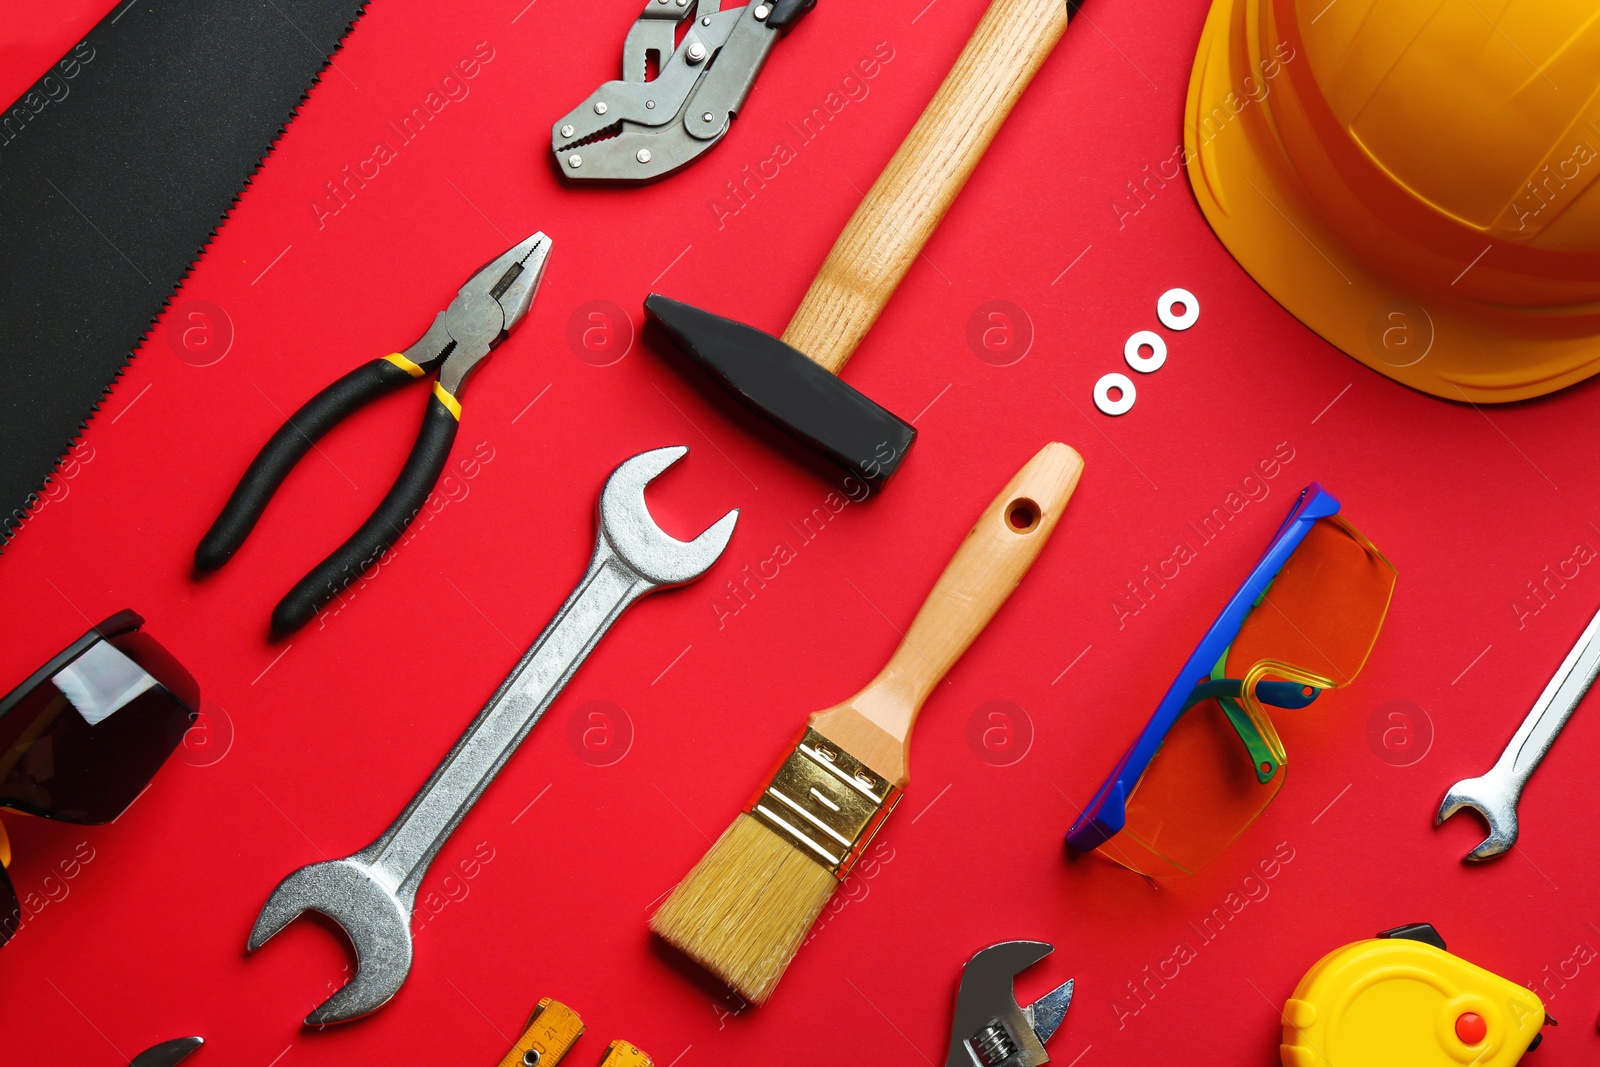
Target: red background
[{"x": 332, "y": 732}]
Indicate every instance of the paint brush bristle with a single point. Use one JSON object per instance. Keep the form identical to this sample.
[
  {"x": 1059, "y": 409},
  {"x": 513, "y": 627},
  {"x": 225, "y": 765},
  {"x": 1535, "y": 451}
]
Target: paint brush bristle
[{"x": 745, "y": 909}]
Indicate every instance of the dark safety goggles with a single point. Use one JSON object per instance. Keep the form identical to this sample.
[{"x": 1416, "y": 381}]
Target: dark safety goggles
[
  {"x": 1210, "y": 760},
  {"x": 82, "y": 737}
]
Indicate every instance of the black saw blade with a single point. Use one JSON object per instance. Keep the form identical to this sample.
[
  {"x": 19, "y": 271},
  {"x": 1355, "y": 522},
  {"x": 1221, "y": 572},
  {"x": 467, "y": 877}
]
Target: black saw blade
[{"x": 115, "y": 170}]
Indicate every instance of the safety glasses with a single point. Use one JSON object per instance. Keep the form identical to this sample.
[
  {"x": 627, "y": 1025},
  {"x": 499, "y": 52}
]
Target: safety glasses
[
  {"x": 82, "y": 737},
  {"x": 1210, "y": 760}
]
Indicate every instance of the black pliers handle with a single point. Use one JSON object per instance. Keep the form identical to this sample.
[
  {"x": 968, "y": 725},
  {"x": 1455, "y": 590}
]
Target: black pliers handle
[
  {"x": 493, "y": 301},
  {"x": 293, "y": 440}
]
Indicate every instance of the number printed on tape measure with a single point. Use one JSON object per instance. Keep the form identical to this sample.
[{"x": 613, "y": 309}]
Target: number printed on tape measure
[
  {"x": 551, "y": 1032},
  {"x": 623, "y": 1054}
]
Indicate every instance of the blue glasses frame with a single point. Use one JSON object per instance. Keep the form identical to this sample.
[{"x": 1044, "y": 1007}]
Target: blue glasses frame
[{"x": 1107, "y": 812}]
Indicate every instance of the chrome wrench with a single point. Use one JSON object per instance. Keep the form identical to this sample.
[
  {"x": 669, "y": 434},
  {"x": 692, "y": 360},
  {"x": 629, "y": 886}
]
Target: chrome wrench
[
  {"x": 371, "y": 894},
  {"x": 990, "y": 1029},
  {"x": 1495, "y": 795}
]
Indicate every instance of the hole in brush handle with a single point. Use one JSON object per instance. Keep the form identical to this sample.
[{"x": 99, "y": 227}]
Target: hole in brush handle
[{"x": 1022, "y": 515}]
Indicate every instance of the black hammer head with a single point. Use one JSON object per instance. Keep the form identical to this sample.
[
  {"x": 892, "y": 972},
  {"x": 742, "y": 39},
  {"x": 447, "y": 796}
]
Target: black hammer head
[{"x": 783, "y": 386}]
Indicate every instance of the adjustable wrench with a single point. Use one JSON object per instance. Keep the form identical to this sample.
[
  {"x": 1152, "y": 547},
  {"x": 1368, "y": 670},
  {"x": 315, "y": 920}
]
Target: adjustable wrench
[
  {"x": 1496, "y": 794},
  {"x": 371, "y": 894},
  {"x": 989, "y": 1028}
]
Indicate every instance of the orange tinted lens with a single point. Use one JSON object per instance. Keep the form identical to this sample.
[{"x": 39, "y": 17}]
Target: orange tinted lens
[
  {"x": 1322, "y": 613},
  {"x": 1198, "y": 794}
]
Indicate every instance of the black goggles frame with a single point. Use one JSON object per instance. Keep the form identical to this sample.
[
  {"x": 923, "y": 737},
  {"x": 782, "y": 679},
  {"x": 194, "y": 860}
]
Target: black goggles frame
[{"x": 95, "y": 770}]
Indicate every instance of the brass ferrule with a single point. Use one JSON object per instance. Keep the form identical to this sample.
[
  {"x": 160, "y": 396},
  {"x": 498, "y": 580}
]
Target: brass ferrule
[{"x": 825, "y": 802}]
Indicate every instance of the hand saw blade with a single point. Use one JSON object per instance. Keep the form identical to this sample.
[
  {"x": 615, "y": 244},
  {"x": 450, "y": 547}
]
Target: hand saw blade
[{"x": 115, "y": 168}]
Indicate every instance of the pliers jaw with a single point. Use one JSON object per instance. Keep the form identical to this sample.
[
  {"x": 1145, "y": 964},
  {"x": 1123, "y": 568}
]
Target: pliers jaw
[{"x": 492, "y": 302}]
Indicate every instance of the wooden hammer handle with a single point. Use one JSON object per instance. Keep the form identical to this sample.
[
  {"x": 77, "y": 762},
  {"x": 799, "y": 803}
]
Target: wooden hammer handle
[
  {"x": 875, "y": 724},
  {"x": 910, "y": 197}
]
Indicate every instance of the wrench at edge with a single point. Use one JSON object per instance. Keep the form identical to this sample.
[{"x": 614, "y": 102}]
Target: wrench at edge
[{"x": 1496, "y": 794}]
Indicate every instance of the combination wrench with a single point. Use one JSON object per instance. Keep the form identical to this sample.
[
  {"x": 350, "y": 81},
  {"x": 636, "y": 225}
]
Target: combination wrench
[
  {"x": 371, "y": 893},
  {"x": 1495, "y": 795}
]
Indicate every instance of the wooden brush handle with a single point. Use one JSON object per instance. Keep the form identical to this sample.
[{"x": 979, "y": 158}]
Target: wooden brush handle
[
  {"x": 875, "y": 724},
  {"x": 914, "y": 191}
]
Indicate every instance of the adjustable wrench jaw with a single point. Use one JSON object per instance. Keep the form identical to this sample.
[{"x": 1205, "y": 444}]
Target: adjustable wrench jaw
[
  {"x": 989, "y": 1028},
  {"x": 636, "y": 130}
]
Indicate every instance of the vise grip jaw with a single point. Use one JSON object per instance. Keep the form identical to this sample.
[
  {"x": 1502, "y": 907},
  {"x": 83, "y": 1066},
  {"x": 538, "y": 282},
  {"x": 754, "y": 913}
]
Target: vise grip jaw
[{"x": 642, "y": 128}]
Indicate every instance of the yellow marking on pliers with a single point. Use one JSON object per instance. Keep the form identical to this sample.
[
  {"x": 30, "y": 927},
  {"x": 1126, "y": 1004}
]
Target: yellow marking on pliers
[
  {"x": 447, "y": 400},
  {"x": 551, "y": 1031},
  {"x": 405, "y": 364},
  {"x": 623, "y": 1054}
]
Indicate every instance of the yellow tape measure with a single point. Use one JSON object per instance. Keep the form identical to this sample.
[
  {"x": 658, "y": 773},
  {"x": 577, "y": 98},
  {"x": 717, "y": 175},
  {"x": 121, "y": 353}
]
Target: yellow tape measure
[
  {"x": 552, "y": 1030},
  {"x": 1401, "y": 1000}
]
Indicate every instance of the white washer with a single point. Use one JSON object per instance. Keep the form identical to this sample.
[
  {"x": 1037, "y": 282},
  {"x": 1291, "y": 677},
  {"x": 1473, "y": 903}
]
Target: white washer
[
  {"x": 1138, "y": 361},
  {"x": 1102, "y": 394},
  {"x": 1172, "y": 321}
]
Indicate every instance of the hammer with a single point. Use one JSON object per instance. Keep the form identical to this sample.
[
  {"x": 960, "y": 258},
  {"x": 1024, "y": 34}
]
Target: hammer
[{"x": 792, "y": 381}]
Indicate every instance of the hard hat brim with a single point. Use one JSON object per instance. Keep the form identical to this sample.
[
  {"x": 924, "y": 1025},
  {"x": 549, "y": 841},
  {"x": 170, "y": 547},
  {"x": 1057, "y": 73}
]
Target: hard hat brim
[{"x": 1258, "y": 207}]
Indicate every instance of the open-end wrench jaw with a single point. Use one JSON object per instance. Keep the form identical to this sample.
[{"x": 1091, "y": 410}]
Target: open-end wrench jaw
[
  {"x": 989, "y": 1028},
  {"x": 1494, "y": 802},
  {"x": 374, "y": 915},
  {"x": 625, "y": 524}
]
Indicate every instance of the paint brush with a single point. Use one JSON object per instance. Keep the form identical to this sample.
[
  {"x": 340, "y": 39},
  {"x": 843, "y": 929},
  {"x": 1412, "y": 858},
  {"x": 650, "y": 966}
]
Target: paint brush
[{"x": 744, "y": 910}]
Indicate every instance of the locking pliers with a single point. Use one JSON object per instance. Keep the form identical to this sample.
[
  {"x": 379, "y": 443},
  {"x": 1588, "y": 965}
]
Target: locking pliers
[{"x": 643, "y": 128}]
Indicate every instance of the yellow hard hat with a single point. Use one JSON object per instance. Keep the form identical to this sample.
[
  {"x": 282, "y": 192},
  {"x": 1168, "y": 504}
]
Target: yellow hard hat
[{"x": 1413, "y": 179}]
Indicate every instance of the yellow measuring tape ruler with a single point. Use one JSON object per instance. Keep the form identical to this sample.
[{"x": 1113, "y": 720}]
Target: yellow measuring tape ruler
[
  {"x": 622, "y": 1054},
  {"x": 552, "y": 1030}
]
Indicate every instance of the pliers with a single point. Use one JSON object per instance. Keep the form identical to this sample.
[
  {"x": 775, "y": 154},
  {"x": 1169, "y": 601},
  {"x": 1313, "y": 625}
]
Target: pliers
[{"x": 491, "y": 303}]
